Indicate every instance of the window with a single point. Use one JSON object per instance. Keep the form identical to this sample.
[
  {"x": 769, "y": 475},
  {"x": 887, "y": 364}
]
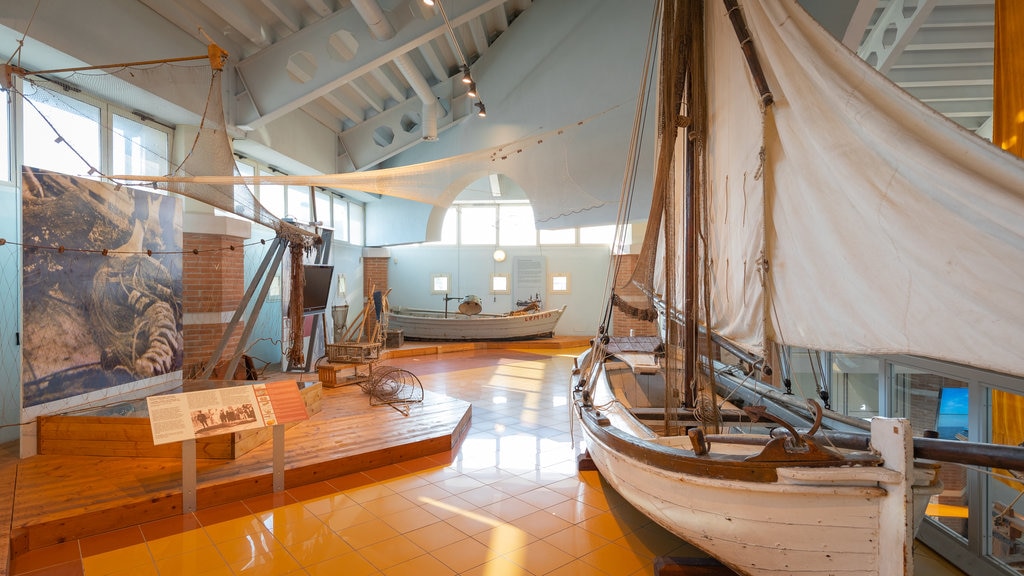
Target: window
[
  {"x": 242, "y": 194},
  {"x": 1002, "y": 489},
  {"x": 478, "y": 225},
  {"x": 500, "y": 284},
  {"x": 562, "y": 236},
  {"x": 138, "y": 148},
  {"x": 272, "y": 196},
  {"x": 516, "y": 226},
  {"x": 323, "y": 208},
  {"x": 597, "y": 235},
  {"x": 854, "y": 385},
  {"x": 5, "y": 141},
  {"x": 449, "y": 229},
  {"x": 440, "y": 283},
  {"x": 78, "y": 130},
  {"x": 298, "y": 203},
  {"x": 355, "y": 225},
  {"x": 340, "y": 208},
  {"x": 560, "y": 283}
]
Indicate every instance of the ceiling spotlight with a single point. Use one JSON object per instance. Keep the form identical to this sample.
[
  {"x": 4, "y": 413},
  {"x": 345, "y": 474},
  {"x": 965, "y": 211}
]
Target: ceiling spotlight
[
  {"x": 466, "y": 78},
  {"x": 472, "y": 90},
  {"x": 428, "y": 2},
  {"x": 481, "y": 109}
]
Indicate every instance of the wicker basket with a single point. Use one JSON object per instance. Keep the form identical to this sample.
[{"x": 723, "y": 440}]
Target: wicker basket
[{"x": 354, "y": 352}]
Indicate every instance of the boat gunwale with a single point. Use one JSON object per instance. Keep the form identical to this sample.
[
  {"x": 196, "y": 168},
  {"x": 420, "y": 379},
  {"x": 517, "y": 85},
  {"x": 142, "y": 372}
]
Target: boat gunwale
[
  {"x": 715, "y": 466},
  {"x": 459, "y": 316},
  {"x": 531, "y": 326}
]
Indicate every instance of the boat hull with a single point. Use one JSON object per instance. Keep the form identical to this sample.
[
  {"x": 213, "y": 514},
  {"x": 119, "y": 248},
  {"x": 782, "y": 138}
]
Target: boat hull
[
  {"x": 849, "y": 520},
  {"x": 458, "y": 327}
]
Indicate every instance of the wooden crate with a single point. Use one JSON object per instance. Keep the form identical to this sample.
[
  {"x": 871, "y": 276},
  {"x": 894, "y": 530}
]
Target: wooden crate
[
  {"x": 354, "y": 352},
  {"x": 394, "y": 339}
]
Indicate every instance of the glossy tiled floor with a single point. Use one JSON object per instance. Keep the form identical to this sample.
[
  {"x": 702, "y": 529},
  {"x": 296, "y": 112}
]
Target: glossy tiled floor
[{"x": 509, "y": 502}]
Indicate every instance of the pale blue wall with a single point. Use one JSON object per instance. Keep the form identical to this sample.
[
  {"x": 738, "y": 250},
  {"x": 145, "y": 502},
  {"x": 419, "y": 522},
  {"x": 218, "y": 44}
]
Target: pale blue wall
[{"x": 10, "y": 311}]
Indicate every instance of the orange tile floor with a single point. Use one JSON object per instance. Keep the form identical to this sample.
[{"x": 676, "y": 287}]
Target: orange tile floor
[{"x": 510, "y": 503}]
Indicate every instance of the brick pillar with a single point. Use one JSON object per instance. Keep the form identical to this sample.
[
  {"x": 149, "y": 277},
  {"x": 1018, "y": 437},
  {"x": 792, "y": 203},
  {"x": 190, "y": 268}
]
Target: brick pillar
[
  {"x": 375, "y": 278},
  {"x": 213, "y": 282},
  {"x": 622, "y": 323}
]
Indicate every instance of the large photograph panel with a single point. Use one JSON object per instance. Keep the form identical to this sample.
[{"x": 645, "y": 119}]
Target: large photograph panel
[{"x": 102, "y": 285}]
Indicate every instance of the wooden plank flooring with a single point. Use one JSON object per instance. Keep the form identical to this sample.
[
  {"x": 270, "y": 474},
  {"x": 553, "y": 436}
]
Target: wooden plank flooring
[{"x": 51, "y": 499}]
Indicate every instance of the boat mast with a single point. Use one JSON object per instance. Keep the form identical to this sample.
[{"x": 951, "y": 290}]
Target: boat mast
[
  {"x": 691, "y": 52},
  {"x": 672, "y": 74}
]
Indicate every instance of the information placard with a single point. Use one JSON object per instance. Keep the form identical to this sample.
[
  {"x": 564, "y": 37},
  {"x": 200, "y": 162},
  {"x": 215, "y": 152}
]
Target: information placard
[{"x": 190, "y": 415}]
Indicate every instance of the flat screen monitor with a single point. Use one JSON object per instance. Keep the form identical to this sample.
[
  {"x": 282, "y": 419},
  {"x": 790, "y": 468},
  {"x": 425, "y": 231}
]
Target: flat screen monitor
[{"x": 318, "y": 287}]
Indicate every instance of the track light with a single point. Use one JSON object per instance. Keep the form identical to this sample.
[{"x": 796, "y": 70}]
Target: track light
[
  {"x": 472, "y": 90},
  {"x": 481, "y": 109},
  {"x": 428, "y": 2},
  {"x": 466, "y": 77}
]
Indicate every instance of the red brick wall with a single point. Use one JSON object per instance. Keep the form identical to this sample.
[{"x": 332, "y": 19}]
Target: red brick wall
[
  {"x": 623, "y": 323},
  {"x": 375, "y": 278},
  {"x": 213, "y": 282}
]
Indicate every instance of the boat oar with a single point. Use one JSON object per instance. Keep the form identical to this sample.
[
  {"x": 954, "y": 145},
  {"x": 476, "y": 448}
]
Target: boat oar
[{"x": 955, "y": 451}]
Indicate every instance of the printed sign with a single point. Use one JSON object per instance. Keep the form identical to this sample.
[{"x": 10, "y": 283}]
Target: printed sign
[{"x": 177, "y": 417}]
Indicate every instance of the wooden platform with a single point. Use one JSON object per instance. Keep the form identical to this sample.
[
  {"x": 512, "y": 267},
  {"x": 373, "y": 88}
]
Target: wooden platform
[
  {"x": 62, "y": 497},
  {"x": 130, "y": 436},
  {"x": 48, "y": 499}
]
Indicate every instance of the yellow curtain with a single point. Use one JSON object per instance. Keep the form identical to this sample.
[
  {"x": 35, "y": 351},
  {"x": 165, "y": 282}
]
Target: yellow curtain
[
  {"x": 1008, "y": 133},
  {"x": 1008, "y": 94},
  {"x": 1007, "y": 423}
]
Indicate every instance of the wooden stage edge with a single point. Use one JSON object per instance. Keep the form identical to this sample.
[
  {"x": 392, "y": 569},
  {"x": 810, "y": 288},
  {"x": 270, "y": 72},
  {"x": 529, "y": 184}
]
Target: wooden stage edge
[{"x": 58, "y": 498}]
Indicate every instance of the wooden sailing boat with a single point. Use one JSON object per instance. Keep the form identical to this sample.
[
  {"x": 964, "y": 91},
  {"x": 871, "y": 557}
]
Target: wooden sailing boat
[{"x": 823, "y": 208}]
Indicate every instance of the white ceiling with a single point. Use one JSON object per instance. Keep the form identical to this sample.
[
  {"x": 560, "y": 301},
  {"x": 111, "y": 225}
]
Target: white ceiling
[
  {"x": 352, "y": 63},
  {"x": 941, "y": 51}
]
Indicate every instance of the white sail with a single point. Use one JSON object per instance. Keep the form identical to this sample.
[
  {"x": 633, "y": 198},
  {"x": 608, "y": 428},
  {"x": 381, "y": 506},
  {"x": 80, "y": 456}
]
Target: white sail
[{"x": 885, "y": 227}]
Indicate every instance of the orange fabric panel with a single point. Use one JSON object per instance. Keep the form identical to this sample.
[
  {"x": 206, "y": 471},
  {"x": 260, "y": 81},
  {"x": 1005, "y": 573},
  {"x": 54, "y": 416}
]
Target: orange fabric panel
[
  {"x": 1007, "y": 424},
  {"x": 1008, "y": 94}
]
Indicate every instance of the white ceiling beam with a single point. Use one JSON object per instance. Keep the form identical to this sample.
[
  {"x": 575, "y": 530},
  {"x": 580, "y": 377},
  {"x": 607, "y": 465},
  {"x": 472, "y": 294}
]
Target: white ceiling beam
[
  {"x": 274, "y": 94},
  {"x": 285, "y": 12},
  {"x": 476, "y": 29},
  {"x": 437, "y": 68},
  {"x": 500, "y": 20},
  {"x": 321, "y": 7},
  {"x": 387, "y": 84},
  {"x": 197, "y": 27},
  {"x": 859, "y": 23},
  {"x": 242, "y": 19},
  {"x": 374, "y": 101},
  {"x": 948, "y": 76},
  {"x": 344, "y": 109},
  {"x": 892, "y": 33},
  {"x": 456, "y": 47},
  {"x": 323, "y": 115},
  {"x": 985, "y": 130}
]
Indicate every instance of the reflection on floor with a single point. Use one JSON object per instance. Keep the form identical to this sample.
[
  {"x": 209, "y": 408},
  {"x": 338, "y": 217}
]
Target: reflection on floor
[{"x": 509, "y": 502}]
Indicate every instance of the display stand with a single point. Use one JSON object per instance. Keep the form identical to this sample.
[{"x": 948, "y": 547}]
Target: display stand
[
  {"x": 188, "y": 469},
  {"x": 188, "y": 476},
  {"x": 181, "y": 417}
]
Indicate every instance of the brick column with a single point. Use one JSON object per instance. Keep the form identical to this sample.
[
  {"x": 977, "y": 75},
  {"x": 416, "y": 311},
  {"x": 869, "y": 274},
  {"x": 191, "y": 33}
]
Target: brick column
[
  {"x": 375, "y": 278},
  {"x": 213, "y": 282}
]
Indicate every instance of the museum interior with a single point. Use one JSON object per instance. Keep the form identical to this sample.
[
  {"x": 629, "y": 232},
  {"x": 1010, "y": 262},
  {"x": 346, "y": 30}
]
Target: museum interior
[{"x": 389, "y": 287}]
